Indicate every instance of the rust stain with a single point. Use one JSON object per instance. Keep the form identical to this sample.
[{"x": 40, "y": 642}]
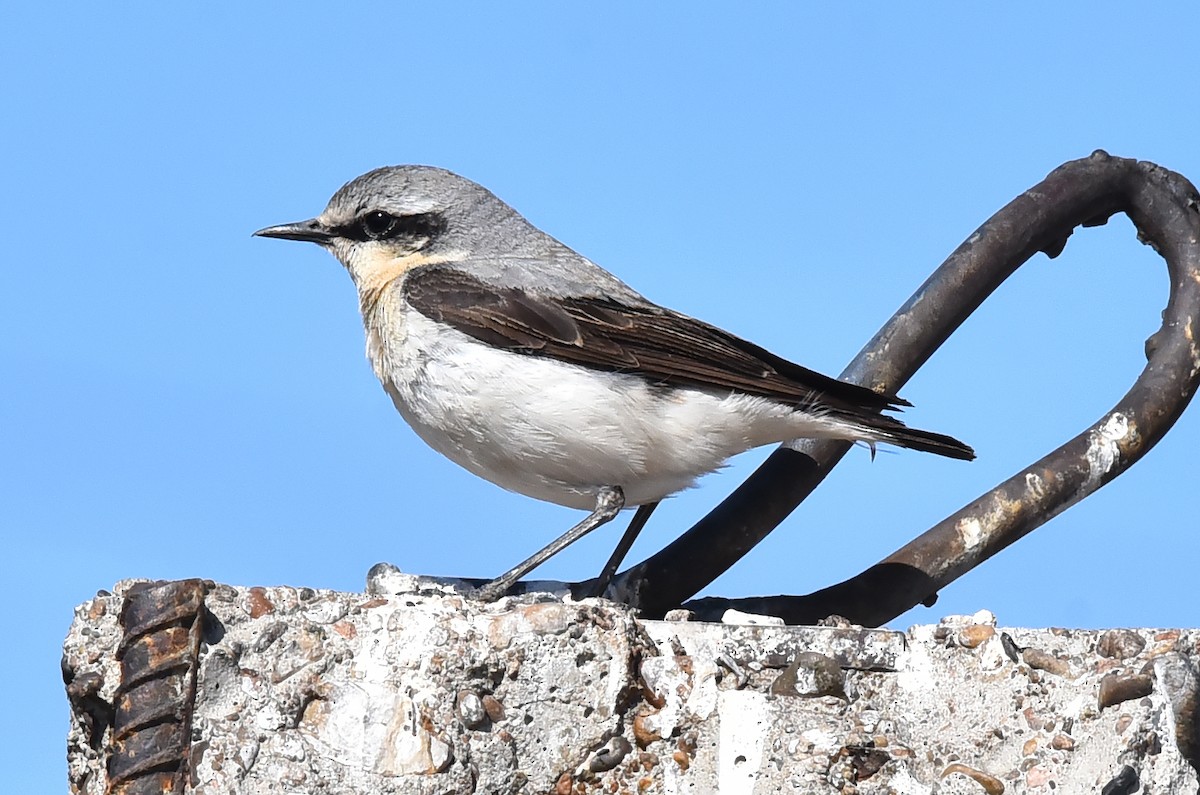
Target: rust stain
[{"x": 259, "y": 604}]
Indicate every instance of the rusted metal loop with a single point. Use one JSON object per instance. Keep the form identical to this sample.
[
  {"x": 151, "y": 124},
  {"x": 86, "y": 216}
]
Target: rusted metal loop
[{"x": 1164, "y": 207}]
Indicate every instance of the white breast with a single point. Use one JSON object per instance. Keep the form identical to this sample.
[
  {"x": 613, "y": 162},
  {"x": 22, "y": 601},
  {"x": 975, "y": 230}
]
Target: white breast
[{"x": 557, "y": 431}]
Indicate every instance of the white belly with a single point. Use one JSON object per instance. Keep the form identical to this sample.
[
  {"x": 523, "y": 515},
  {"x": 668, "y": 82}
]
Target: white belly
[{"x": 559, "y": 432}]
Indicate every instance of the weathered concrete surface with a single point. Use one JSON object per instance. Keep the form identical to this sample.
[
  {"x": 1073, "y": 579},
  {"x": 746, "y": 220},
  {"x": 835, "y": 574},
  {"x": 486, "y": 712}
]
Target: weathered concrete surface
[{"x": 424, "y": 691}]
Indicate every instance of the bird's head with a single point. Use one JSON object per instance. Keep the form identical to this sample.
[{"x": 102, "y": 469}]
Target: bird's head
[{"x": 392, "y": 219}]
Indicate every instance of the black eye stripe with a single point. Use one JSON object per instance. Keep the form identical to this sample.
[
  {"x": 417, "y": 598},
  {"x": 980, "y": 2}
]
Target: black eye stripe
[{"x": 382, "y": 225}]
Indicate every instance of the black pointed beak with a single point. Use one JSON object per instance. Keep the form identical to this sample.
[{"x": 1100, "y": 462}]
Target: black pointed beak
[{"x": 311, "y": 231}]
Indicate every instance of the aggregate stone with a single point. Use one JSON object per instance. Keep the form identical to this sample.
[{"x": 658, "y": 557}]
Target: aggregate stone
[{"x": 414, "y": 687}]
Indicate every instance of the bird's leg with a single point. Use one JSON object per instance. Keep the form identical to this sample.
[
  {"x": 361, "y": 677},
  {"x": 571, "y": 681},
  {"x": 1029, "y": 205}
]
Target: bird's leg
[
  {"x": 609, "y": 502},
  {"x": 631, "y": 533}
]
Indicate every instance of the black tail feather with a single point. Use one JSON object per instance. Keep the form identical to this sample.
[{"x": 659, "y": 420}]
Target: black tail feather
[{"x": 893, "y": 431}]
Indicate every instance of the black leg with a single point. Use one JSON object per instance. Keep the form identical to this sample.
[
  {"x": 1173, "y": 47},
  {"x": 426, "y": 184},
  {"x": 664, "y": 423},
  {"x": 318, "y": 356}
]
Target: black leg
[
  {"x": 609, "y": 502},
  {"x": 631, "y": 533}
]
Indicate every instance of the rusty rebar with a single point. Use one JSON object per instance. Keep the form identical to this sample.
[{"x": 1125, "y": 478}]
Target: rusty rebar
[
  {"x": 1164, "y": 208},
  {"x": 159, "y": 653}
]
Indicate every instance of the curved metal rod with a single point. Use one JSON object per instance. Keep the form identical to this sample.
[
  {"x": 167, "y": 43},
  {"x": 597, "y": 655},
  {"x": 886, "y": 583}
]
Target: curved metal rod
[{"x": 1163, "y": 205}]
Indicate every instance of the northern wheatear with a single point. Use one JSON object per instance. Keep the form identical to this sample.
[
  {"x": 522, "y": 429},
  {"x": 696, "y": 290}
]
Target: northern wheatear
[{"x": 540, "y": 371}]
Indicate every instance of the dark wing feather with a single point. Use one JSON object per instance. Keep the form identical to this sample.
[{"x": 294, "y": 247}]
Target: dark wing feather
[{"x": 656, "y": 343}]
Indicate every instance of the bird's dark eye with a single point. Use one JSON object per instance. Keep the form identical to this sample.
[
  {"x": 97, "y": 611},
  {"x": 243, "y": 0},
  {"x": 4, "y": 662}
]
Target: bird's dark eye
[
  {"x": 378, "y": 225},
  {"x": 415, "y": 230}
]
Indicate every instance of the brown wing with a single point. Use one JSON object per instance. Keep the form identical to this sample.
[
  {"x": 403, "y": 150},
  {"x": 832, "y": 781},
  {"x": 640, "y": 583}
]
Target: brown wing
[{"x": 656, "y": 343}]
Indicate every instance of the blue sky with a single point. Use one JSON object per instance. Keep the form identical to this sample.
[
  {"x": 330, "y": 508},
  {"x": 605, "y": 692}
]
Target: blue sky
[{"x": 183, "y": 400}]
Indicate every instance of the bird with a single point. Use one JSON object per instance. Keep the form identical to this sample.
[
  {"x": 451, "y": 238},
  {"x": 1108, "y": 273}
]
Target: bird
[{"x": 536, "y": 369}]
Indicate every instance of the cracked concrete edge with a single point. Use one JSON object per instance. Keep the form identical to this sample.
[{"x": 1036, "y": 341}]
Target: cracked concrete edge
[{"x": 425, "y": 691}]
